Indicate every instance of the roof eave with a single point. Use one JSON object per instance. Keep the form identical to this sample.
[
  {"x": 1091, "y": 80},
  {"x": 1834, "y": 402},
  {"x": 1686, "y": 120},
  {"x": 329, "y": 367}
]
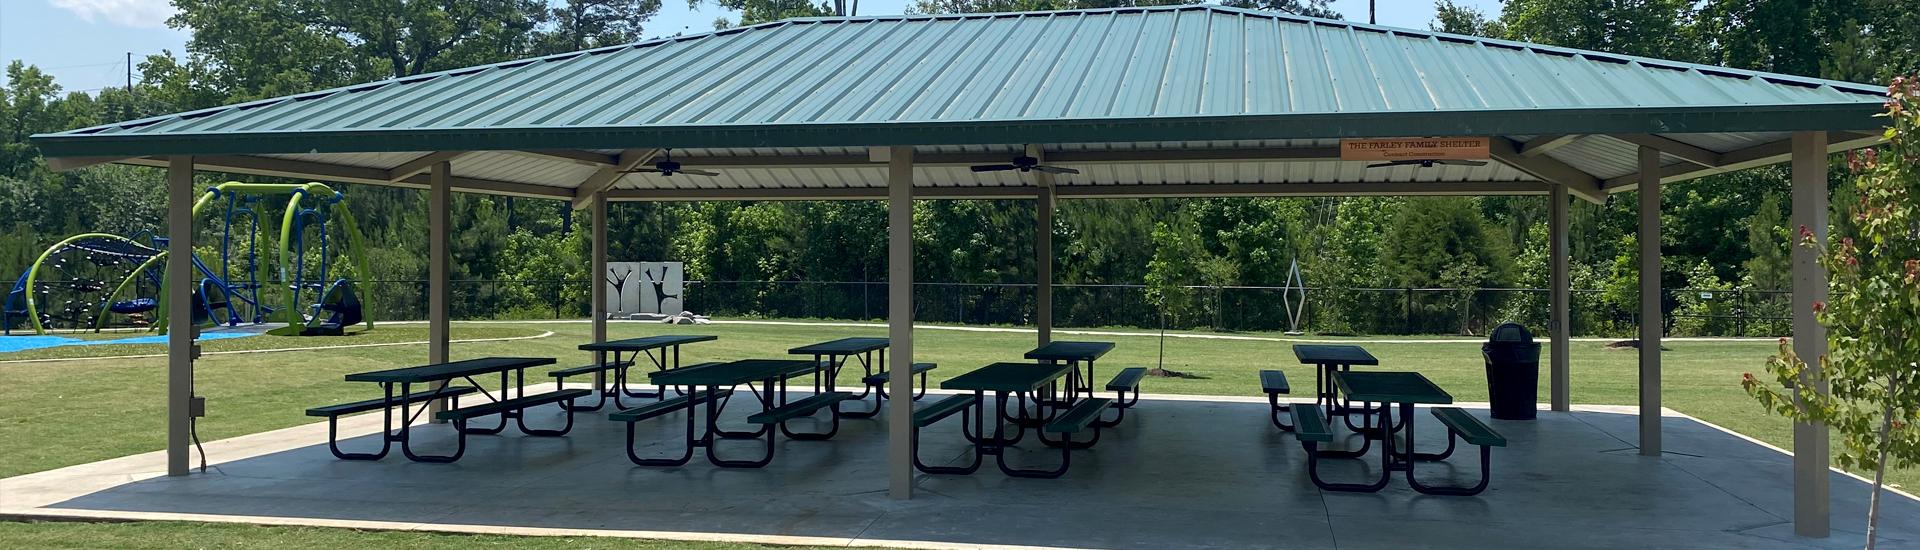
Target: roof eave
[{"x": 1853, "y": 116}]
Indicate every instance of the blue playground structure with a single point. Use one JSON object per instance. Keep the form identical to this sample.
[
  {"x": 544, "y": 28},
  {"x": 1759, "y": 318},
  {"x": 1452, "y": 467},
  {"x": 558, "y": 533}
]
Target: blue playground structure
[{"x": 93, "y": 281}]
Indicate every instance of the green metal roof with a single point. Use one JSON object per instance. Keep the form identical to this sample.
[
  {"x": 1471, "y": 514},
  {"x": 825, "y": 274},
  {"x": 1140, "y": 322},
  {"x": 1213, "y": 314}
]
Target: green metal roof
[{"x": 1163, "y": 74}]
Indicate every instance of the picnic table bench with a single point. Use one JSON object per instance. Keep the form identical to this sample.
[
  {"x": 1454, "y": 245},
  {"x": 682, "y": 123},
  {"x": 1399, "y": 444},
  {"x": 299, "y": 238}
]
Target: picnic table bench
[
  {"x": 403, "y": 380},
  {"x": 1004, "y": 379},
  {"x": 710, "y": 387},
  {"x": 1402, "y": 390}
]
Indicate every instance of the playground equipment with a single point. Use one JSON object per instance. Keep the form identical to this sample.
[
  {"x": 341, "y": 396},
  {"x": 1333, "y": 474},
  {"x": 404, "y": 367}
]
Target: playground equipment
[{"x": 67, "y": 288}]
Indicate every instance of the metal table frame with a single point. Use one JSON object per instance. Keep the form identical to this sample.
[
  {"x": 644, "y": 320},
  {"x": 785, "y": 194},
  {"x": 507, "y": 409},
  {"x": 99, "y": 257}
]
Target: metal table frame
[
  {"x": 1074, "y": 354},
  {"x": 665, "y": 345},
  {"x": 1363, "y": 387},
  {"x": 1331, "y": 359},
  {"x": 833, "y": 354},
  {"x": 405, "y": 378},
  {"x": 1033, "y": 378},
  {"x": 772, "y": 393}
]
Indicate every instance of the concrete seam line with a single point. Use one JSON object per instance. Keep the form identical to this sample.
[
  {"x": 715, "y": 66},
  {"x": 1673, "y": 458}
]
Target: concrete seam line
[{"x": 543, "y": 334}]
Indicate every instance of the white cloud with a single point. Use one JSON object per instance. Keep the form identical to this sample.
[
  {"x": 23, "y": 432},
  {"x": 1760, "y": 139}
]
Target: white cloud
[{"x": 126, "y": 13}]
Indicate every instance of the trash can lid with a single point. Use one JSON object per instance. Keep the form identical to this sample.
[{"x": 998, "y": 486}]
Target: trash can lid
[{"x": 1510, "y": 333}]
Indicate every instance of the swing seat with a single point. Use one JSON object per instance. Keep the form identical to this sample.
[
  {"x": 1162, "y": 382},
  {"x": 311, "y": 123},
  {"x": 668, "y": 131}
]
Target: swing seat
[
  {"x": 136, "y": 305},
  {"x": 343, "y": 306}
]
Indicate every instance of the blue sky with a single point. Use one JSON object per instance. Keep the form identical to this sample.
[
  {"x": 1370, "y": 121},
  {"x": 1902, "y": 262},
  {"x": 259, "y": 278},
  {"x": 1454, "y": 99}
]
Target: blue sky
[{"x": 84, "y": 43}]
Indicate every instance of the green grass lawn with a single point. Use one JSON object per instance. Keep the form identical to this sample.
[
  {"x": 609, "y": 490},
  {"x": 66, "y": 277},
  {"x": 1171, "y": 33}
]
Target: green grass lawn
[{"x": 54, "y": 414}]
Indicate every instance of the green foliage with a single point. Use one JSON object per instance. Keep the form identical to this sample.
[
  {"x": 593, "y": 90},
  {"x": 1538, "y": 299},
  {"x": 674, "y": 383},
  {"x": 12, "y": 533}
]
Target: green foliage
[
  {"x": 1867, "y": 386},
  {"x": 1651, "y": 28},
  {"x": 753, "y": 12},
  {"x": 1707, "y": 306}
]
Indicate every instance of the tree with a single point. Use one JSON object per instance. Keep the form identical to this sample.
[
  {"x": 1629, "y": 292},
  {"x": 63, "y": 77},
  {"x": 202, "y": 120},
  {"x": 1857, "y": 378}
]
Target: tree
[
  {"x": 583, "y": 24},
  {"x": 1467, "y": 20},
  {"x": 753, "y": 12},
  {"x": 1651, "y": 28},
  {"x": 1309, "y": 8},
  {"x": 1784, "y": 36},
  {"x": 1872, "y": 317}
]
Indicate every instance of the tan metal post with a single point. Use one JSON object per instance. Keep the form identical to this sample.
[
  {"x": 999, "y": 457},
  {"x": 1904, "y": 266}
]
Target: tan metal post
[
  {"x": 1650, "y": 319},
  {"x": 1560, "y": 323},
  {"x": 180, "y": 329},
  {"x": 439, "y": 329},
  {"x": 900, "y": 321},
  {"x": 1043, "y": 263},
  {"x": 596, "y": 277},
  {"x": 1810, "y": 445}
]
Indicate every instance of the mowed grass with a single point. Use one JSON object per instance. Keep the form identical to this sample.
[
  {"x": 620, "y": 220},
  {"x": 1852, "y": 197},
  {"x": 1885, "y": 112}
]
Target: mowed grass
[
  {"x": 55, "y": 414},
  {"x": 167, "y": 535}
]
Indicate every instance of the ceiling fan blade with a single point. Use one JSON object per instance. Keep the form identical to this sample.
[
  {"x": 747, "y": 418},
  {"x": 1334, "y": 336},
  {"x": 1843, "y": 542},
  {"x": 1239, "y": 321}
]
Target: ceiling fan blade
[
  {"x": 993, "y": 167},
  {"x": 637, "y": 170},
  {"x": 1056, "y": 170},
  {"x": 699, "y": 173},
  {"x": 1462, "y": 162},
  {"x": 1387, "y": 164}
]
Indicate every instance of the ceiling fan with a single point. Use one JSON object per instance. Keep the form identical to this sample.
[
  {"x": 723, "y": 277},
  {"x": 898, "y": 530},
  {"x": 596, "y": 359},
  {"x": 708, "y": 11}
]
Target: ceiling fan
[
  {"x": 1428, "y": 163},
  {"x": 667, "y": 167},
  {"x": 1024, "y": 163}
]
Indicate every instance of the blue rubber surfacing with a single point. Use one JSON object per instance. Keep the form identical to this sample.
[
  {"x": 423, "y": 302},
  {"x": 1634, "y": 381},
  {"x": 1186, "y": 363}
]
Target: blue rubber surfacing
[{"x": 23, "y": 343}]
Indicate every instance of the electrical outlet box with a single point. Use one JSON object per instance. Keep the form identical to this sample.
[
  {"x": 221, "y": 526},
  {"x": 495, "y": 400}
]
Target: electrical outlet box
[
  {"x": 197, "y": 407},
  {"x": 193, "y": 351}
]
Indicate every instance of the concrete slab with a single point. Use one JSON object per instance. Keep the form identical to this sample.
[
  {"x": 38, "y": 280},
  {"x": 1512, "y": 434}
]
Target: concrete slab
[{"x": 1180, "y": 473}]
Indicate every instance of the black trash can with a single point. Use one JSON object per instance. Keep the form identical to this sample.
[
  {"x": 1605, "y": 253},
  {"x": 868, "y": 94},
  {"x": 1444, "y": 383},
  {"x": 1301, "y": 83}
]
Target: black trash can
[{"x": 1513, "y": 372}]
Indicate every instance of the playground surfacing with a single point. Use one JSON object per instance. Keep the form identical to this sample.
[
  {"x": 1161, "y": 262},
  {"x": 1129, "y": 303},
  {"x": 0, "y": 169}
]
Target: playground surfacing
[
  {"x": 32, "y": 342},
  {"x": 1181, "y": 473}
]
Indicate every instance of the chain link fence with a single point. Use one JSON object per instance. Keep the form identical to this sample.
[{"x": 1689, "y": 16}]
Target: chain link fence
[{"x": 1690, "y": 312}]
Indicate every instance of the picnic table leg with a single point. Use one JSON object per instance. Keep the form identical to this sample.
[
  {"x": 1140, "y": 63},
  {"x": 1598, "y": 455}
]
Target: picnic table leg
[
  {"x": 978, "y": 434},
  {"x": 713, "y": 418},
  {"x": 978, "y": 410},
  {"x": 879, "y": 392},
  {"x": 686, "y": 456},
  {"x": 1315, "y": 454},
  {"x": 1486, "y": 464},
  {"x": 386, "y": 431},
  {"x": 406, "y": 434},
  {"x": 659, "y": 363},
  {"x": 661, "y": 391},
  {"x": 1000, "y": 458}
]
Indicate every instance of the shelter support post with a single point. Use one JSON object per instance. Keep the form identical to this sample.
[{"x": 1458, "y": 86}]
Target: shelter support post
[
  {"x": 1650, "y": 317},
  {"x": 1560, "y": 317},
  {"x": 180, "y": 328},
  {"x": 1043, "y": 263},
  {"x": 439, "y": 328},
  {"x": 1810, "y": 444},
  {"x": 596, "y": 274},
  {"x": 900, "y": 321}
]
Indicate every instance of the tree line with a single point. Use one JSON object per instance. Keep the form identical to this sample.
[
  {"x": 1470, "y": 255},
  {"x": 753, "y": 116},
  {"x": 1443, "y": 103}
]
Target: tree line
[{"x": 1724, "y": 233}]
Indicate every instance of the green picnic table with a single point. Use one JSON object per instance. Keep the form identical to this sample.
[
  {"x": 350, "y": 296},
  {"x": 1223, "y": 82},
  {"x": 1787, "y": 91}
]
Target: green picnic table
[
  {"x": 506, "y": 404},
  {"x": 1075, "y": 354},
  {"x": 711, "y": 386},
  {"x": 663, "y": 351},
  {"x": 1022, "y": 381},
  {"x": 833, "y": 354},
  {"x": 1327, "y": 360},
  {"x": 1401, "y": 390}
]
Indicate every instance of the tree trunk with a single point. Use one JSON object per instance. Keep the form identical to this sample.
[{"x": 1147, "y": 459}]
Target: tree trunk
[{"x": 1880, "y": 466}]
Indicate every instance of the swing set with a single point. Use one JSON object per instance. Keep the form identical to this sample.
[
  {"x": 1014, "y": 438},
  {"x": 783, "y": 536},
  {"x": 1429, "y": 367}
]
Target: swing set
[{"x": 67, "y": 288}]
